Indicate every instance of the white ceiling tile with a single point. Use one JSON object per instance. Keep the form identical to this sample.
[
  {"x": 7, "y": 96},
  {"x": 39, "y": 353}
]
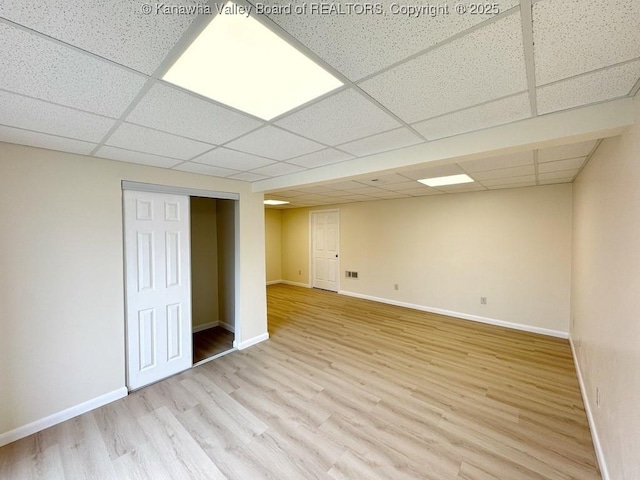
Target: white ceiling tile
[
  {"x": 422, "y": 191},
  {"x": 555, "y": 181},
  {"x": 290, "y": 193},
  {"x": 562, "y": 152},
  {"x": 383, "y": 180},
  {"x": 34, "y": 66},
  {"x": 329, "y": 193},
  {"x": 248, "y": 177},
  {"x": 277, "y": 169},
  {"x": 504, "y": 173},
  {"x": 486, "y": 64},
  {"x": 464, "y": 187},
  {"x": 116, "y": 29},
  {"x": 558, "y": 175},
  {"x": 41, "y": 116},
  {"x": 340, "y": 118},
  {"x": 432, "y": 172},
  {"x": 382, "y": 142},
  {"x": 577, "y": 36},
  {"x": 490, "y": 114},
  {"x": 272, "y": 142},
  {"x": 403, "y": 186},
  {"x": 495, "y": 163},
  {"x": 358, "y": 45},
  {"x": 348, "y": 185},
  {"x": 320, "y": 158},
  {"x": 560, "y": 165},
  {"x": 509, "y": 181},
  {"x": 224, "y": 157},
  {"x": 205, "y": 169},
  {"x": 122, "y": 155},
  {"x": 589, "y": 88},
  {"x": 42, "y": 140},
  {"x": 174, "y": 111},
  {"x": 511, "y": 185},
  {"x": 143, "y": 139}
]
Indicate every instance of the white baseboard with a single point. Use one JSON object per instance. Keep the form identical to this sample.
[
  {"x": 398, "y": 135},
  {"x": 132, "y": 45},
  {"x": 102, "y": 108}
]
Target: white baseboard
[
  {"x": 253, "y": 341},
  {"x": 228, "y": 326},
  {"x": 205, "y": 326},
  {"x": 592, "y": 424},
  {"x": 296, "y": 284},
  {"x": 51, "y": 420},
  {"x": 465, "y": 316},
  {"x": 274, "y": 282}
]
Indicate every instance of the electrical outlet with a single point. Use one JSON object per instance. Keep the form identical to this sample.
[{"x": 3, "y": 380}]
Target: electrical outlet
[
  {"x": 299, "y": 272},
  {"x": 598, "y": 397},
  {"x": 395, "y": 286},
  {"x": 483, "y": 300}
]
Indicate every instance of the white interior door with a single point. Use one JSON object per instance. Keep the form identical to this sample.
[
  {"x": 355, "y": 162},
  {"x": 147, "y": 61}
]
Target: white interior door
[
  {"x": 325, "y": 228},
  {"x": 158, "y": 290}
]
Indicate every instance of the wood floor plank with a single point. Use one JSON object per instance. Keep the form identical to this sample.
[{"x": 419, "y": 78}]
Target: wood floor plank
[{"x": 344, "y": 389}]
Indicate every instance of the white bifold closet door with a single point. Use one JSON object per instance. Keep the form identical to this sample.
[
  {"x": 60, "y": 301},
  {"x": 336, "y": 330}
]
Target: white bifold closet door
[{"x": 158, "y": 286}]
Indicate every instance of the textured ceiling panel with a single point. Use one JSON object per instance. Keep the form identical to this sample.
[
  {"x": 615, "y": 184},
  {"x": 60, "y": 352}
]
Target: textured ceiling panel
[
  {"x": 383, "y": 180},
  {"x": 511, "y": 185},
  {"x": 320, "y": 158},
  {"x": 504, "y": 173},
  {"x": 563, "y": 174},
  {"x": 481, "y": 66},
  {"x": 205, "y": 169},
  {"x": 463, "y": 187},
  {"x": 115, "y": 29},
  {"x": 577, "y": 36},
  {"x": 145, "y": 140},
  {"x": 122, "y": 155},
  {"x": 589, "y": 88},
  {"x": 382, "y": 142},
  {"x": 32, "y": 114},
  {"x": 248, "y": 177},
  {"x": 495, "y": 163},
  {"x": 34, "y": 66},
  {"x": 431, "y": 172},
  {"x": 495, "y": 182},
  {"x": 560, "y": 165},
  {"x": 360, "y": 44},
  {"x": 42, "y": 140},
  {"x": 223, "y": 157},
  {"x": 487, "y": 115},
  {"x": 562, "y": 152},
  {"x": 277, "y": 169},
  {"x": 340, "y": 118},
  {"x": 174, "y": 111},
  {"x": 275, "y": 143}
]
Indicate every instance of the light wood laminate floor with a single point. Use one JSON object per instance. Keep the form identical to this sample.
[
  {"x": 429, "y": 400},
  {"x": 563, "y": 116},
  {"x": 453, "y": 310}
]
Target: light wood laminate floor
[{"x": 344, "y": 389}]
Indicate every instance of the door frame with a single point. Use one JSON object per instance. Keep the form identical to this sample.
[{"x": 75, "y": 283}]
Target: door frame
[
  {"x": 189, "y": 192},
  {"x": 311, "y": 235}
]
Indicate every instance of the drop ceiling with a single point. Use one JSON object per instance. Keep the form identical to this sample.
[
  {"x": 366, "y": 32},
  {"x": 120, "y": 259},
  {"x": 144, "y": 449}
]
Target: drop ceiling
[{"x": 85, "y": 77}]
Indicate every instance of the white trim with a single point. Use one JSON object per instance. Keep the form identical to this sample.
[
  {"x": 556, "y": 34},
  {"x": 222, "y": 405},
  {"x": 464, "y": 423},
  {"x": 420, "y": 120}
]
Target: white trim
[
  {"x": 213, "y": 357},
  {"x": 274, "y": 282},
  {"x": 227, "y": 326},
  {"x": 592, "y": 424},
  {"x": 64, "y": 415},
  {"x": 190, "y": 192},
  {"x": 253, "y": 341},
  {"x": 205, "y": 326},
  {"x": 296, "y": 284},
  {"x": 465, "y": 316}
]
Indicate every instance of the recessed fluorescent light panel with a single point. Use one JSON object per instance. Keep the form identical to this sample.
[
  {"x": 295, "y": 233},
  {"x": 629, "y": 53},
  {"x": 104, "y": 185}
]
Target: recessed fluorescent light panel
[
  {"x": 448, "y": 180},
  {"x": 275, "y": 202},
  {"x": 239, "y": 62}
]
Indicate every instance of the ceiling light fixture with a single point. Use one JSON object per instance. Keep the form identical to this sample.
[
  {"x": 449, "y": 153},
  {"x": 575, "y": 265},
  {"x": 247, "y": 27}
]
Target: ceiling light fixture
[
  {"x": 275, "y": 202},
  {"x": 448, "y": 180},
  {"x": 239, "y": 62}
]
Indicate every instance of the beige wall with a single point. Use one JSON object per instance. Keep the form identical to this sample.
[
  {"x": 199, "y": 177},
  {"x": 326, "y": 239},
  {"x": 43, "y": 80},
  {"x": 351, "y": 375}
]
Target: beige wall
[
  {"x": 273, "y": 241},
  {"x": 226, "y": 234},
  {"x": 61, "y": 276},
  {"x": 606, "y": 295},
  {"x": 445, "y": 252},
  {"x": 204, "y": 262}
]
